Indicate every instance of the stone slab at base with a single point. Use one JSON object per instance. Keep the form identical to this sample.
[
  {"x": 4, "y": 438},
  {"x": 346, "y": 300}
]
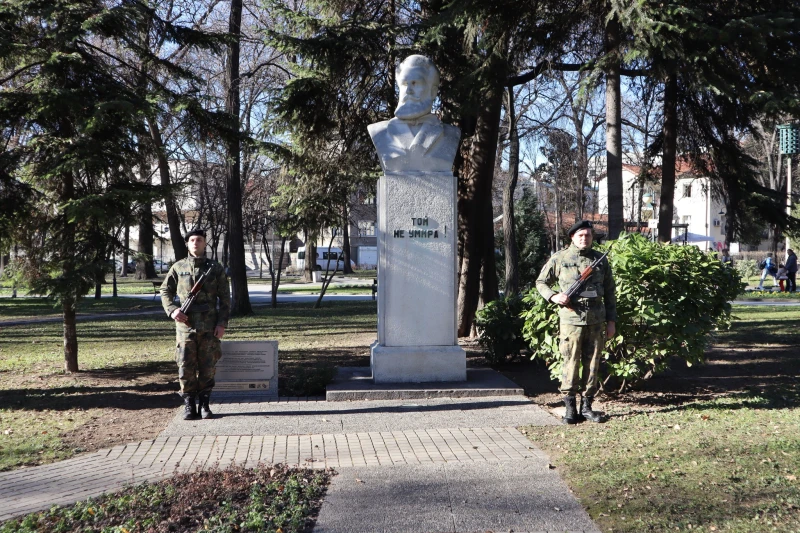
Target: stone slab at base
[
  {"x": 355, "y": 383},
  {"x": 417, "y": 364}
]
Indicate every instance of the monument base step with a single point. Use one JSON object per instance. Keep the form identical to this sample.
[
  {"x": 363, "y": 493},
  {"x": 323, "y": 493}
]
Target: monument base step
[{"x": 355, "y": 383}]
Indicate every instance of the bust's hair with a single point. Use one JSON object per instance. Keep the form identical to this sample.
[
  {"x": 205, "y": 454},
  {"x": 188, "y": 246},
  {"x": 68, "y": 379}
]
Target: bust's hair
[{"x": 419, "y": 61}]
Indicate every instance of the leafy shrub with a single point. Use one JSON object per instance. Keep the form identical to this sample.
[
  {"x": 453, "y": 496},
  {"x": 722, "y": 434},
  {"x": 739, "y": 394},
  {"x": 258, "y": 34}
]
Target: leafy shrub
[
  {"x": 747, "y": 268},
  {"x": 670, "y": 299},
  {"x": 500, "y": 328}
]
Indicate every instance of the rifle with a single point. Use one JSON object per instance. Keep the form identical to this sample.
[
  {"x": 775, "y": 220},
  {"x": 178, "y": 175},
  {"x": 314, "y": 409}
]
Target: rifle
[
  {"x": 193, "y": 293},
  {"x": 577, "y": 285}
]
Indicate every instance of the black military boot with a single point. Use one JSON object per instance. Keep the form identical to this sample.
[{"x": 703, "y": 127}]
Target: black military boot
[
  {"x": 189, "y": 407},
  {"x": 205, "y": 411},
  {"x": 586, "y": 410},
  {"x": 571, "y": 416}
]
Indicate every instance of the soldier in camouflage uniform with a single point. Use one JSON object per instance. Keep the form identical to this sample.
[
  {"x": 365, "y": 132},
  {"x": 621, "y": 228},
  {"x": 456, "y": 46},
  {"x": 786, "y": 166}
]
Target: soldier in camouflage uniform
[
  {"x": 584, "y": 322},
  {"x": 198, "y": 332}
]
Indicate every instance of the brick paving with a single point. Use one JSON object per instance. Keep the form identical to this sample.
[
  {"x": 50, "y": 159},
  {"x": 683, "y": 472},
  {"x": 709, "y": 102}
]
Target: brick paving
[
  {"x": 499, "y": 460},
  {"x": 29, "y": 489}
]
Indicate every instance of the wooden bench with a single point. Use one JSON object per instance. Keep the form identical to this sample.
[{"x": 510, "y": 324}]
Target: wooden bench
[
  {"x": 156, "y": 289},
  {"x": 374, "y": 288}
]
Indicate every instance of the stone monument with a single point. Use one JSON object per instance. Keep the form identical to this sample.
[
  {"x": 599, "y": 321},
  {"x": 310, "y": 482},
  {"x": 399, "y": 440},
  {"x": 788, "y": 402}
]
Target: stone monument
[{"x": 417, "y": 238}]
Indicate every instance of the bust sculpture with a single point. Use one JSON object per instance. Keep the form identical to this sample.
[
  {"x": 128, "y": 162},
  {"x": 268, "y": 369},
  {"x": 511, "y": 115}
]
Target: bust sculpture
[{"x": 415, "y": 140}]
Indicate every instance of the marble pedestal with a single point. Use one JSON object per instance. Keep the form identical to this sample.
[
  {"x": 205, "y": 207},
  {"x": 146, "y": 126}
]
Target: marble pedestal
[{"x": 417, "y": 288}]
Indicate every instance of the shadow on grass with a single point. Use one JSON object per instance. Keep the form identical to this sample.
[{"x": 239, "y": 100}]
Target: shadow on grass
[
  {"x": 158, "y": 391},
  {"x": 755, "y": 356},
  {"x": 301, "y": 373},
  {"x": 476, "y": 404},
  {"x": 308, "y": 372}
]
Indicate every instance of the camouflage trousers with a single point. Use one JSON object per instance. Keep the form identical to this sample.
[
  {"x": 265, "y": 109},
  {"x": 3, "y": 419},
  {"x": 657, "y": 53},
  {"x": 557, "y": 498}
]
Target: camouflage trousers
[
  {"x": 582, "y": 349},
  {"x": 197, "y": 354}
]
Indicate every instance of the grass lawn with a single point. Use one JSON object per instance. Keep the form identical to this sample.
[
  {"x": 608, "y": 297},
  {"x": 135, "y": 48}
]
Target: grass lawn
[
  {"x": 21, "y": 308},
  {"x": 128, "y": 377},
  {"x": 726, "y": 459},
  {"x": 332, "y": 289},
  {"x": 126, "y": 285}
]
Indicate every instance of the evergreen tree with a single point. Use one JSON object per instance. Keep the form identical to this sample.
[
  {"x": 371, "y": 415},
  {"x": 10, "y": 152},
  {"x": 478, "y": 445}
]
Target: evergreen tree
[
  {"x": 724, "y": 65},
  {"x": 77, "y": 129},
  {"x": 531, "y": 239}
]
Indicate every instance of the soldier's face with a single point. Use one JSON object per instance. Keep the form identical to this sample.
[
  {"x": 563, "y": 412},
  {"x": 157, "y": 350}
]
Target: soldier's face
[
  {"x": 582, "y": 238},
  {"x": 196, "y": 245}
]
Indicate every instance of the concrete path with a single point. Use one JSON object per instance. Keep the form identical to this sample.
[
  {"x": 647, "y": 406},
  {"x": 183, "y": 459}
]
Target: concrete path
[{"x": 449, "y": 465}]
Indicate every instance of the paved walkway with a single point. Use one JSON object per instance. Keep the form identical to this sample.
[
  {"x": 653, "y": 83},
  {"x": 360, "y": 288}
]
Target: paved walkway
[{"x": 455, "y": 465}]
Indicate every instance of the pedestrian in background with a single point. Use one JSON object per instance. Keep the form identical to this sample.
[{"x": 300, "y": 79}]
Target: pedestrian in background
[
  {"x": 726, "y": 258},
  {"x": 791, "y": 271},
  {"x": 781, "y": 277},
  {"x": 768, "y": 267}
]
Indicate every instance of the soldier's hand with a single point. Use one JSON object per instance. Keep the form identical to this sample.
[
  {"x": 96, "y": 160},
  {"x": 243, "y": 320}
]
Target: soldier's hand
[
  {"x": 219, "y": 331},
  {"x": 611, "y": 328},
  {"x": 560, "y": 299},
  {"x": 178, "y": 316}
]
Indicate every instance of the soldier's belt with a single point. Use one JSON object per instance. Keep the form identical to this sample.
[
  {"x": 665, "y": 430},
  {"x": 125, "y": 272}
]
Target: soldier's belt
[{"x": 199, "y": 308}]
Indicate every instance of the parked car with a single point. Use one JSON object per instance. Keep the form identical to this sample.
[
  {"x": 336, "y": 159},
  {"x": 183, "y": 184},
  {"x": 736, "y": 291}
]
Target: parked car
[
  {"x": 335, "y": 255},
  {"x": 160, "y": 266}
]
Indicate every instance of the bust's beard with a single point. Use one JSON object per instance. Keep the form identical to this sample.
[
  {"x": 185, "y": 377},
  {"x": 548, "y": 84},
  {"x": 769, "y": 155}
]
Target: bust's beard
[{"x": 413, "y": 109}]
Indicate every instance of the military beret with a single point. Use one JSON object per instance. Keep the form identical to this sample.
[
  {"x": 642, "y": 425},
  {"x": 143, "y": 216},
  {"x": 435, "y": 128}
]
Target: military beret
[
  {"x": 196, "y": 231},
  {"x": 579, "y": 225}
]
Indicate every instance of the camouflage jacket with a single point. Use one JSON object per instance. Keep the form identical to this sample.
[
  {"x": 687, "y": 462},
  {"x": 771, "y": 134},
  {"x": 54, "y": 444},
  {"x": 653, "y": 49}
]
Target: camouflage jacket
[
  {"x": 597, "y": 303},
  {"x": 216, "y": 292}
]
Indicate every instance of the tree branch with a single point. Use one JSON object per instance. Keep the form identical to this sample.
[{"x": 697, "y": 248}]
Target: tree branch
[
  {"x": 538, "y": 69},
  {"x": 20, "y": 71}
]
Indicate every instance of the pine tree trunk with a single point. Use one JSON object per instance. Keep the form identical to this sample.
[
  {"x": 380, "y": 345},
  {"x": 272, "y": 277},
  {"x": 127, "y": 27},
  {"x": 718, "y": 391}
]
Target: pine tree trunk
[
  {"x": 276, "y": 274},
  {"x": 614, "y": 134},
  {"x": 477, "y": 193},
  {"x": 509, "y": 230},
  {"x": 240, "y": 297},
  {"x": 68, "y": 265},
  {"x": 70, "y": 336},
  {"x": 665, "y": 208},
  {"x": 126, "y": 243},
  {"x": 144, "y": 267},
  {"x": 311, "y": 258},
  {"x": 346, "y": 268},
  {"x": 173, "y": 219},
  {"x": 490, "y": 286}
]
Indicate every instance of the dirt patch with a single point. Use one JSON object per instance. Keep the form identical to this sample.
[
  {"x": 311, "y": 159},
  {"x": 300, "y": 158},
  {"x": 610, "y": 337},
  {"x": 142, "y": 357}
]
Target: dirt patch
[
  {"x": 124, "y": 405},
  {"x": 117, "y": 426}
]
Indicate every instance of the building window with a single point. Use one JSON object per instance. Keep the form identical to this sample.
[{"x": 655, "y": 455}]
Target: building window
[
  {"x": 717, "y": 223},
  {"x": 686, "y": 219},
  {"x": 366, "y": 228},
  {"x": 687, "y": 191}
]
